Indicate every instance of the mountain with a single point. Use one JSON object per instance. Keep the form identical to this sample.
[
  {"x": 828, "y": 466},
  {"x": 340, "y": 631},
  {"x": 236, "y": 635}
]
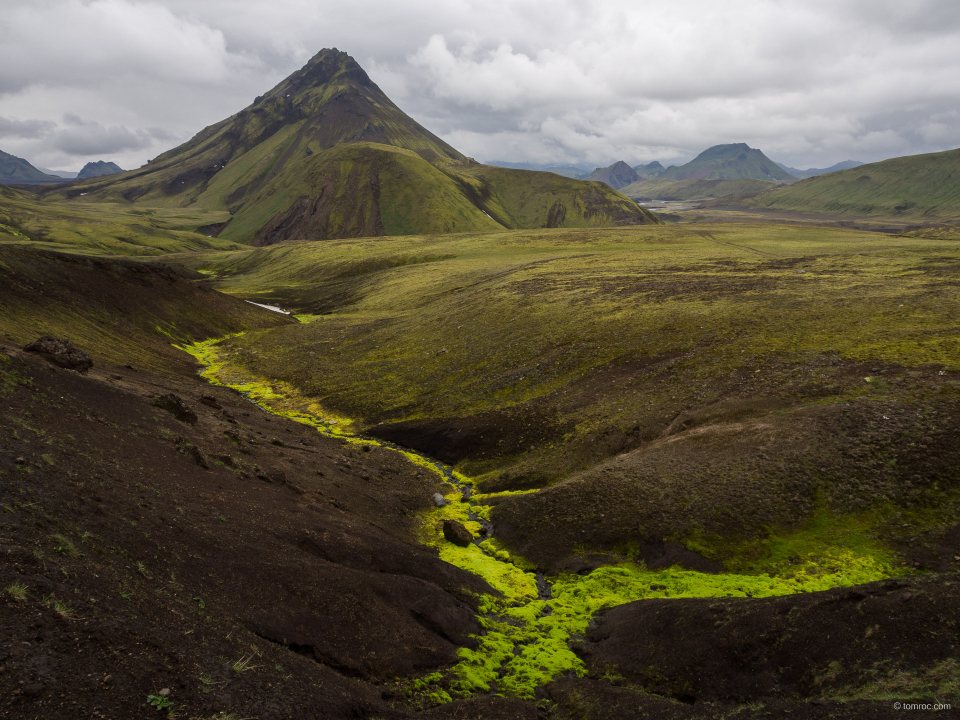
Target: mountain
[
  {"x": 811, "y": 172},
  {"x": 728, "y": 162},
  {"x": 573, "y": 171},
  {"x": 98, "y": 168},
  {"x": 17, "y": 171},
  {"x": 649, "y": 170},
  {"x": 327, "y": 154},
  {"x": 924, "y": 187},
  {"x": 616, "y": 176}
]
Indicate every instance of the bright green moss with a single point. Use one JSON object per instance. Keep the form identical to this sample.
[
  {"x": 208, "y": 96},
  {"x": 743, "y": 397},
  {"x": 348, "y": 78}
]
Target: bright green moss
[{"x": 525, "y": 639}]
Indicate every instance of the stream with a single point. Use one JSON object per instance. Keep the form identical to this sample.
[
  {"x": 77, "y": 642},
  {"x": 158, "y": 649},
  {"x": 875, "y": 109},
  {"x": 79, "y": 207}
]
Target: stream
[{"x": 528, "y": 628}]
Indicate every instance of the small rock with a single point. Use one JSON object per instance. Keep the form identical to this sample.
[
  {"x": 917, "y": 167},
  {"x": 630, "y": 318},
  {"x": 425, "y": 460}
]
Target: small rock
[
  {"x": 164, "y": 692},
  {"x": 34, "y": 690},
  {"x": 197, "y": 456},
  {"x": 439, "y": 500},
  {"x": 61, "y": 353},
  {"x": 906, "y": 596},
  {"x": 456, "y": 533},
  {"x": 23, "y": 461},
  {"x": 210, "y": 401},
  {"x": 175, "y": 405}
]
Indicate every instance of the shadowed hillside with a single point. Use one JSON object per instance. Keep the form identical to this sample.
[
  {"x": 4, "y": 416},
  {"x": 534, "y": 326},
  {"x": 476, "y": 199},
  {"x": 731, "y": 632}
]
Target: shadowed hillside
[{"x": 921, "y": 187}]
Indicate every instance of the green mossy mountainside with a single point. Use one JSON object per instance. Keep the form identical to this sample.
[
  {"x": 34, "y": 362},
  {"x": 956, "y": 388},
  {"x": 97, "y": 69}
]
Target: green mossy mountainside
[
  {"x": 693, "y": 189},
  {"x": 14, "y": 170},
  {"x": 736, "y": 161},
  {"x": 919, "y": 188},
  {"x": 650, "y": 379},
  {"x": 326, "y": 154}
]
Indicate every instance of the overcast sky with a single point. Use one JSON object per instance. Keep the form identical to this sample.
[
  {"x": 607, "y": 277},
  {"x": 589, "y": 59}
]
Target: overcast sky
[{"x": 809, "y": 82}]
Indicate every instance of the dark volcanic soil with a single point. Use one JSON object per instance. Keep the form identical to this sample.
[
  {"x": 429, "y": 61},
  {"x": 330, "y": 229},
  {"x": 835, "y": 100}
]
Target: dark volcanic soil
[{"x": 179, "y": 549}]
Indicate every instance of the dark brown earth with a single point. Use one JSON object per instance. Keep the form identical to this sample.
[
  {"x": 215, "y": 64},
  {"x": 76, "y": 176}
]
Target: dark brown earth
[
  {"x": 760, "y": 460},
  {"x": 837, "y": 642}
]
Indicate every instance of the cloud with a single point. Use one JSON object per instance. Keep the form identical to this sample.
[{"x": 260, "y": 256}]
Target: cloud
[
  {"x": 25, "y": 128},
  {"x": 87, "y": 138},
  {"x": 810, "y": 82}
]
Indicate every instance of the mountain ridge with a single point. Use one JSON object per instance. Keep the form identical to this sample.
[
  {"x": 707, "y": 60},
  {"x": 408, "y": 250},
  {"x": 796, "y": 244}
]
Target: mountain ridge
[
  {"x": 17, "y": 171},
  {"x": 278, "y": 166}
]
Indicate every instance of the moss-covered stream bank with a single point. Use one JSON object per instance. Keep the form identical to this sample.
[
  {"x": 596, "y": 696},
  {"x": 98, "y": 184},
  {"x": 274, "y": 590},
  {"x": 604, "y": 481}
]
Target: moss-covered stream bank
[{"x": 530, "y": 625}]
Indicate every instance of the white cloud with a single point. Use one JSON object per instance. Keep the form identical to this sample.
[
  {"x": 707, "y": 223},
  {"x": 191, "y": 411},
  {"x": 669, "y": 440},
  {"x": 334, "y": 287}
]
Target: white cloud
[{"x": 810, "y": 82}]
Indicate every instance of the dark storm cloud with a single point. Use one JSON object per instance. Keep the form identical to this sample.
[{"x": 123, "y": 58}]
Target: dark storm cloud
[
  {"x": 811, "y": 82},
  {"x": 31, "y": 129}
]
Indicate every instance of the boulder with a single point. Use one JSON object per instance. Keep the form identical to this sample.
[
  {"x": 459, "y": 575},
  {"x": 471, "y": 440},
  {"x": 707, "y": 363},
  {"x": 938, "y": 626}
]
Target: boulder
[
  {"x": 456, "y": 533},
  {"x": 175, "y": 405},
  {"x": 61, "y": 353}
]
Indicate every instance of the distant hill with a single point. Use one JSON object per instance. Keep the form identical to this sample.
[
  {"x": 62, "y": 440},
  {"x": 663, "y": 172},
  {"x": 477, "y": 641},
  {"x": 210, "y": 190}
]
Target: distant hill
[
  {"x": 572, "y": 171},
  {"x": 917, "y": 187},
  {"x": 98, "y": 168},
  {"x": 811, "y": 172},
  {"x": 616, "y": 176},
  {"x": 728, "y": 162},
  {"x": 649, "y": 170},
  {"x": 17, "y": 171},
  {"x": 327, "y": 154},
  {"x": 692, "y": 189}
]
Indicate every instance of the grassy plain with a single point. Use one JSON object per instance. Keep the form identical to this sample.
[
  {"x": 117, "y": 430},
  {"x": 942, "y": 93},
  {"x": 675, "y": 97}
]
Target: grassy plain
[{"x": 98, "y": 228}]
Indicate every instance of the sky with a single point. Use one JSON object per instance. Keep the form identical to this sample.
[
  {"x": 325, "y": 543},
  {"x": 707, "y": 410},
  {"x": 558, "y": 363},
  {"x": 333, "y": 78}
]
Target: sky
[{"x": 809, "y": 82}]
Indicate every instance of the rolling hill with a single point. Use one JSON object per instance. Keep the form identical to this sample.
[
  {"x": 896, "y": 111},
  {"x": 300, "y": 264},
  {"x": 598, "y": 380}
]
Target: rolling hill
[
  {"x": 737, "y": 161},
  {"x": 327, "y": 154},
  {"x": 17, "y": 171},
  {"x": 921, "y": 187}
]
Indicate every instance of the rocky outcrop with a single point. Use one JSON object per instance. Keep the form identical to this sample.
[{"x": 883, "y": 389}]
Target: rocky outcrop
[{"x": 61, "y": 353}]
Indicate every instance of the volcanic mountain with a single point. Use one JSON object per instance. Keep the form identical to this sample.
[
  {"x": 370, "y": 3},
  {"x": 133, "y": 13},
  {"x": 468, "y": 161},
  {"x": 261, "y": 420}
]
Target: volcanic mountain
[
  {"x": 327, "y": 154},
  {"x": 728, "y": 162}
]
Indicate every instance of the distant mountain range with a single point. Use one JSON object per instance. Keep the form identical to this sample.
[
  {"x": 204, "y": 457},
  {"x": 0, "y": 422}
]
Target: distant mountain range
[
  {"x": 65, "y": 174},
  {"x": 326, "y": 154},
  {"x": 17, "y": 171},
  {"x": 811, "y": 172}
]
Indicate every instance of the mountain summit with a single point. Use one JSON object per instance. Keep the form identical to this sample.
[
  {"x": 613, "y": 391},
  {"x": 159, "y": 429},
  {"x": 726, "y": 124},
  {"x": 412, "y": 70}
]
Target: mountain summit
[
  {"x": 327, "y": 154},
  {"x": 737, "y": 161}
]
